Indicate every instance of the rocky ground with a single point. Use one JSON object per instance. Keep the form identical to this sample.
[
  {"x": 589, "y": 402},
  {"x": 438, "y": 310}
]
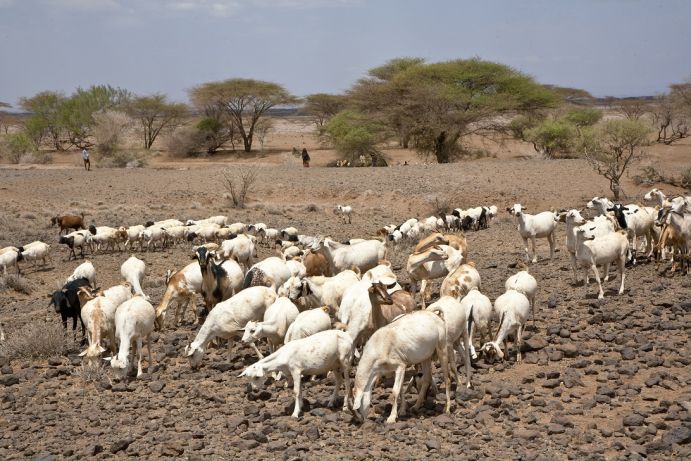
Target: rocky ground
[{"x": 600, "y": 379}]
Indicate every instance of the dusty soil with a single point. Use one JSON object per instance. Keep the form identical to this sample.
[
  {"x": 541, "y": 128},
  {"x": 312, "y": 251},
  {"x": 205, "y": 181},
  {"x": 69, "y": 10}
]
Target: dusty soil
[{"x": 600, "y": 380}]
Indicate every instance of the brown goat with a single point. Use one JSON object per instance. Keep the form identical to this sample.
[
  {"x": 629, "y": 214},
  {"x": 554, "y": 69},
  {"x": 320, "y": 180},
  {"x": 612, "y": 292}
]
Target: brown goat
[
  {"x": 68, "y": 222},
  {"x": 316, "y": 264},
  {"x": 457, "y": 242},
  {"x": 386, "y": 307}
]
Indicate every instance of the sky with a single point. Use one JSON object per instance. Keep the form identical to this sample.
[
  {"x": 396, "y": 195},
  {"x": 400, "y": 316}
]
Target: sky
[{"x": 608, "y": 47}]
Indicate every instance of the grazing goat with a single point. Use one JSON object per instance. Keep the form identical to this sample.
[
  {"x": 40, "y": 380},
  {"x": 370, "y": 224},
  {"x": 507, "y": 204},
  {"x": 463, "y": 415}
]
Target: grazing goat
[
  {"x": 134, "y": 323},
  {"x": 387, "y": 306},
  {"x": 524, "y": 283},
  {"x": 134, "y": 235},
  {"x": 11, "y": 257},
  {"x": 325, "y": 351},
  {"x": 679, "y": 219},
  {"x": 637, "y": 221},
  {"x": 84, "y": 270},
  {"x": 412, "y": 339},
  {"x": 182, "y": 285},
  {"x": 345, "y": 212},
  {"x": 67, "y": 222},
  {"x": 36, "y": 250},
  {"x": 603, "y": 250},
  {"x": 228, "y": 319},
  {"x": 133, "y": 271},
  {"x": 541, "y": 225},
  {"x": 482, "y": 313},
  {"x": 277, "y": 319},
  {"x": 513, "y": 309},
  {"x": 98, "y": 315}
]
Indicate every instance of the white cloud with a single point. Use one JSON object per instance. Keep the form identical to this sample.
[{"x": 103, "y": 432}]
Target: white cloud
[
  {"x": 86, "y": 5},
  {"x": 225, "y": 8}
]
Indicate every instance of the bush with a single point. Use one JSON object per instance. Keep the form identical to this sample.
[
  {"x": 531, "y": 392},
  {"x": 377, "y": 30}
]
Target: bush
[
  {"x": 186, "y": 141},
  {"x": 37, "y": 339},
  {"x": 16, "y": 283},
  {"x": 686, "y": 178},
  {"x": 108, "y": 131},
  {"x": 36, "y": 158},
  {"x": 238, "y": 184},
  {"x": 121, "y": 160},
  {"x": 14, "y": 146},
  {"x": 552, "y": 137}
]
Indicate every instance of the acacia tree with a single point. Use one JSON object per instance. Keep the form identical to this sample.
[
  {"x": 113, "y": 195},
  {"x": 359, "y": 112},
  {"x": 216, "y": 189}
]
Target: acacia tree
[
  {"x": 154, "y": 114},
  {"x": 6, "y": 118},
  {"x": 382, "y": 96},
  {"x": 44, "y": 120},
  {"x": 613, "y": 146},
  {"x": 323, "y": 106},
  {"x": 354, "y": 134},
  {"x": 75, "y": 114},
  {"x": 670, "y": 121},
  {"x": 245, "y": 101}
]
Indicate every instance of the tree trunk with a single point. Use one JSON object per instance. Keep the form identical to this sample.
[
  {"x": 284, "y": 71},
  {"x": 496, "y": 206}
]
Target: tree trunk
[
  {"x": 440, "y": 150},
  {"x": 615, "y": 188},
  {"x": 247, "y": 141}
]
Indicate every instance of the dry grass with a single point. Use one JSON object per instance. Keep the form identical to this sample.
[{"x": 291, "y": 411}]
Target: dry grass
[
  {"x": 35, "y": 340},
  {"x": 16, "y": 283}
]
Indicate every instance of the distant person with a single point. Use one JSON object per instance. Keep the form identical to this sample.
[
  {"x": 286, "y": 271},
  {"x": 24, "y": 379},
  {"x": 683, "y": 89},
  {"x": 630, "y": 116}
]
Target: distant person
[
  {"x": 305, "y": 158},
  {"x": 87, "y": 162},
  {"x": 405, "y": 163}
]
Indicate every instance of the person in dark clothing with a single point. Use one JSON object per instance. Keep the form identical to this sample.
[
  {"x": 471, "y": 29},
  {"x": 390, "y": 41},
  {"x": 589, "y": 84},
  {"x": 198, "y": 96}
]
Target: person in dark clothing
[{"x": 305, "y": 158}]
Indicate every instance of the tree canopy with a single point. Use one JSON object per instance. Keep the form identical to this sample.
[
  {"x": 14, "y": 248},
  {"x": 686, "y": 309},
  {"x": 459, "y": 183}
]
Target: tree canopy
[
  {"x": 154, "y": 114},
  {"x": 244, "y": 100}
]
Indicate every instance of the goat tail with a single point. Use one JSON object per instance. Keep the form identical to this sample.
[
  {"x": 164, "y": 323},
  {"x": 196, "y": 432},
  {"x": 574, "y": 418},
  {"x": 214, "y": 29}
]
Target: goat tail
[
  {"x": 470, "y": 320},
  {"x": 501, "y": 321}
]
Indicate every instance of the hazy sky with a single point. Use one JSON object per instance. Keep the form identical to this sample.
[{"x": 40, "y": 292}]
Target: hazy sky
[{"x": 608, "y": 47}]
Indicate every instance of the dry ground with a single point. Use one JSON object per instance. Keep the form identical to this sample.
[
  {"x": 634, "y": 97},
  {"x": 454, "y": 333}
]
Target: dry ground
[{"x": 601, "y": 380}]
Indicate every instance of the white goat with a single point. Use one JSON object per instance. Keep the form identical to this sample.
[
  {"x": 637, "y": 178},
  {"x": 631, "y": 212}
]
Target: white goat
[
  {"x": 345, "y": 212},
  {"x": 10, "y": 257},
  {"x": 98, "y": 315},
  {"x": 133, "y": 271},
  {"x": 308, "y": 323},
  {"x": 604, "y": 224},
  {"x": 241, "y": 248},
  {"x": 541, "y": 225},
  {"x": 433, "y": 263},
  {"x": 228, "y": 318},
  {"x": 478, "y": 307},
  {"x": 325, "y": 351},
  {"x": 272, "y": 272},
  {"x": 182, "y": 285},
  {"x": 36, "y": 250},
  {"x": 364, "y": 255},
  {"x": 513, "y": 309},
  {"x": 524, "y": 283},
  {"x": 457, "y": 320},
  {"x": 153, "y": 235},
  {"x": 134, "y": 235},
  {"x": 84, "y": 270},
  {"x": 277, "y": 319},
  {"x": 410, "y": 340},
  {"x": 134, "y": 322},
  {"x": 603, "y": 250}
]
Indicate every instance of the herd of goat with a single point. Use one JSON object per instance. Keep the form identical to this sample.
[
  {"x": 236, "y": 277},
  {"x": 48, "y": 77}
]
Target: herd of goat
[{"x": 319, "y": 303}]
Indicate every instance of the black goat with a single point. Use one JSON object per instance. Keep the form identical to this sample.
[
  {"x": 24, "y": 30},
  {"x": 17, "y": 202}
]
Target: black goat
[{"x": 66, "y": 303}]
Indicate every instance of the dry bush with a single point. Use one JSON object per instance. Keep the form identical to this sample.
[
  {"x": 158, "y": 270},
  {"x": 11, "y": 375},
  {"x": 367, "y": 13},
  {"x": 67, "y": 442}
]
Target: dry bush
[
  {"x": 312, "y": 208},
  {"x": 37, "y": 339},
  {"x": 686, "y": 178},
  {"x": 16, "y": 283},
  {"x": 185, "y": 141},
  {"x": 238, "y": 183},
  {"x": 93, "y": 372},
  {"x": 121, "y": 160},
  {"x": 109, "y": 130},
  {"x": 36, "y": 158}
]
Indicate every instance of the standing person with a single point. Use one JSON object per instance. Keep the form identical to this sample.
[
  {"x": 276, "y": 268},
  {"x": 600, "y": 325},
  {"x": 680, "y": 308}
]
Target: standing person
[
  {"x": 305, "y": 158},
  {"x": 87, "y": 162}
]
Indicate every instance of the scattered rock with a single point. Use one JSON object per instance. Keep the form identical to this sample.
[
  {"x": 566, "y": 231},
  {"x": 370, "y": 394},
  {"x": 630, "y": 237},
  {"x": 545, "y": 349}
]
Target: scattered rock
[
  {"x": 628, "y": 353},
  {"x": 121, "y": 445},
  {"x": 156, "y": 386},
  {"x": 536, "y": 343},
  {"x": 433, "y": 444}
]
